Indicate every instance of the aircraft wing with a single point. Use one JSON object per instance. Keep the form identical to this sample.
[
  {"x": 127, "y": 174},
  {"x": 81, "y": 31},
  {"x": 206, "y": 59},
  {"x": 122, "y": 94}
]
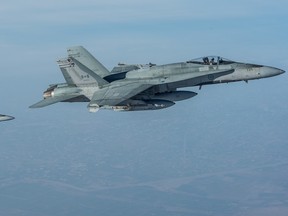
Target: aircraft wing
[
  {"x": 115, "y": 94},
  {"x": 52, "y": 100}
]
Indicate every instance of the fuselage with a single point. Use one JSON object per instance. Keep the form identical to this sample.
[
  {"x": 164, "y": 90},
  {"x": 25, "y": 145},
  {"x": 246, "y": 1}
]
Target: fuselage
[
  {"x": 198, "y": 72},
  {"x": 163, "y": 82}
]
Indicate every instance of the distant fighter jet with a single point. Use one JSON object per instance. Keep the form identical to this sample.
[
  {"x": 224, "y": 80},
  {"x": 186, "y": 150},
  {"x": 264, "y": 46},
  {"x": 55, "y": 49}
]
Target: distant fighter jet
[
  {"x": 142, "y": 87},
  {"x": 5, "y": 117}
]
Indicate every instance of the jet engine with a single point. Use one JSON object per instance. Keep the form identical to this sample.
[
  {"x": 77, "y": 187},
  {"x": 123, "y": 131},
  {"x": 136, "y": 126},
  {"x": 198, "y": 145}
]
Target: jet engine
[{"x": 56, "y": 90}]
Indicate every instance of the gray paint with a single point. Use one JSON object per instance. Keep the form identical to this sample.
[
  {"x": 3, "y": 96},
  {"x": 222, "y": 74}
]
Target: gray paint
[{"x": 135, "y": 87}]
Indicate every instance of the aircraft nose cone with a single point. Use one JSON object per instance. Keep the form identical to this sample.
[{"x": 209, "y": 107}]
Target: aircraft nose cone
[
  {"x": 6, "y": 117},
  {"x": 281, "y": 71},
  {"x": 271, "y": 71}
]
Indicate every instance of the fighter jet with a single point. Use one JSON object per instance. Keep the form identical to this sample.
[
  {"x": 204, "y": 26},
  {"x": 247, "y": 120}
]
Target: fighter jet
[
  {"x": 5, "y": 117},
  {"x": 142, "y": 87}
]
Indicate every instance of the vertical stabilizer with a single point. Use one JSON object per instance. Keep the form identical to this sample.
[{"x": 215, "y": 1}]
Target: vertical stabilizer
[
  {"x": 85, "y": 58},
  {"x": 81, "y": 68},
  {"x": 78, "y": 74}
]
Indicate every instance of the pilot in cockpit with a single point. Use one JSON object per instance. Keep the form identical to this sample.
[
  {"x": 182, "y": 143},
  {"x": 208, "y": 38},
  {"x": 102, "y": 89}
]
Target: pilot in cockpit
[
  {"x": 212, "y": 62},
  {"x": 206, "y": 60}
]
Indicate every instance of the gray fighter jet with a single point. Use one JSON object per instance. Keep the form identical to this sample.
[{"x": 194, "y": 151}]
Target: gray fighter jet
[
  {"x": 142, "y": 87},
  {"x": 5, "y": 117}
]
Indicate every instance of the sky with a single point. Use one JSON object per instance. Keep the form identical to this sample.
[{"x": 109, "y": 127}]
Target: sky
[{"x": 223, "y": 152}]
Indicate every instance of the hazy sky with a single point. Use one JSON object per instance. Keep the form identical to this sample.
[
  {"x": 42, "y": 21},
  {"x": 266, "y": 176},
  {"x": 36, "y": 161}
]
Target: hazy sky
[
  {"x": 35, "y": 33},
  {"x": 236, "y": 132}
]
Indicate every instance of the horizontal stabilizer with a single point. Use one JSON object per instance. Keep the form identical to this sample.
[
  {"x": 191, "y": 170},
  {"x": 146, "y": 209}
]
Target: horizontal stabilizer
[{"x": 52, "y": 100}]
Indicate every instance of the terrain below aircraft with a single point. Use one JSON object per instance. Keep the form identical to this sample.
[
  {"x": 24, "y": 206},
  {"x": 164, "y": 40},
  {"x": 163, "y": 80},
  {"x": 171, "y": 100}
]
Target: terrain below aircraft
[
  {"x": 142, "y": 87},
  {"x": 5, "y": 117}
]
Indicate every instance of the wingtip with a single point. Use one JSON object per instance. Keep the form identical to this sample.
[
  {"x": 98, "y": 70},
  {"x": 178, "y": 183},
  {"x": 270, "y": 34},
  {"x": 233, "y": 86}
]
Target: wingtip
[{"x": 33, "y": 106}]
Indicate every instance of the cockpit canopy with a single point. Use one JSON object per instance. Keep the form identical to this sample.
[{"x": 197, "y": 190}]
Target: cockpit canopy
[{"x": 211, "y": 60}]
